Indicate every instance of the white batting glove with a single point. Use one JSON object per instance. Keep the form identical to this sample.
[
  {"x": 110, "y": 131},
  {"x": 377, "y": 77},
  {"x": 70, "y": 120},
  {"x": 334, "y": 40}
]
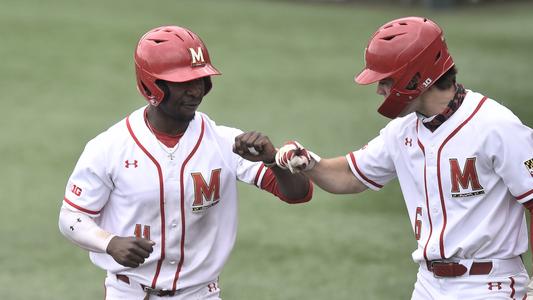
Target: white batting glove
[{"x": 296, "y": 158}]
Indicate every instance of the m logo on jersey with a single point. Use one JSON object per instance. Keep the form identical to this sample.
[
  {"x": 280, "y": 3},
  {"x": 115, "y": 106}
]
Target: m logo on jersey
[
  {"x": 197, "y": 57},
  {"x": 529, "y": 166},
  {"x": 467, "y": 179},
  {"x": 206, "y": 195}
]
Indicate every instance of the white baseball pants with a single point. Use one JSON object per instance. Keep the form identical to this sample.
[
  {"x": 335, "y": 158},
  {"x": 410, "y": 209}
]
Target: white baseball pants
[
  {"x": 508, "y": 279},
  {"x": 120, "y": 290}
]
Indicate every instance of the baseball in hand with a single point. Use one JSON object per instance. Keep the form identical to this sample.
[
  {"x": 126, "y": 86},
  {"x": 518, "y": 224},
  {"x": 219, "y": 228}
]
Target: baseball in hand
[{"x": 253, "y": 151}]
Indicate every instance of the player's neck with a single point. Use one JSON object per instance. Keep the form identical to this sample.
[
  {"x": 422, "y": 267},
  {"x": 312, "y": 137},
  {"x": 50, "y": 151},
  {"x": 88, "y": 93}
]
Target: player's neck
[
  {"x": 435, "y": 101},
  {"x": 164, "y": 123}
]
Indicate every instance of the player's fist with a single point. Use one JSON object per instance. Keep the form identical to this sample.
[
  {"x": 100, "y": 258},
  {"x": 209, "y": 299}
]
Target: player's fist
[
  {"x": 295, "y": 157},
  {"x": 130, "y": 251},
  {"x": 254, "y": 146}
]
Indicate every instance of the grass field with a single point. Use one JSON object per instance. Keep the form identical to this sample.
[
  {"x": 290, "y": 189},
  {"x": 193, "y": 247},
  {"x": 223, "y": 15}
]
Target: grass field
[{"x": 67, "y": 74}]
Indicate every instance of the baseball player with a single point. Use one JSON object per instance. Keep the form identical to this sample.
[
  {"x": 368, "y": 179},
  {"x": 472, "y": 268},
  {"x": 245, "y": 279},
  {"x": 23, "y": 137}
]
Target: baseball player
[
  {"x": 464, "y": 163},
  {"x": 154, "y": 198}
]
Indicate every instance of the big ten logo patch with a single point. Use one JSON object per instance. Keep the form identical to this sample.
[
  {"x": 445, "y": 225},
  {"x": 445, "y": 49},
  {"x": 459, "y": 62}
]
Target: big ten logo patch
[
  {"x": 197, "y": 57},
  {"x": 76, "y": 190},
  {"x": 427, "y": 82},
  {"x": 465, "y": 182},
  {"x": 206, "y": 195}
]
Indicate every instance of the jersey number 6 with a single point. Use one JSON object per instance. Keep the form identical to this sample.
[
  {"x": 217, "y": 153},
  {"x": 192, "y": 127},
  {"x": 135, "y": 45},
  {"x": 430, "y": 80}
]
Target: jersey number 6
[{"x": 418, "y": 222}]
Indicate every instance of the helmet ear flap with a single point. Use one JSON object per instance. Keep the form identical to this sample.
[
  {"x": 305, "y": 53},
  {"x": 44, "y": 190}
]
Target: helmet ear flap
[
  {"x": 162, "y": 85},
  {"x": 413, "y": 83},
  {"x": 146, "y": 91},
  {"x": 149, "y": 89}
]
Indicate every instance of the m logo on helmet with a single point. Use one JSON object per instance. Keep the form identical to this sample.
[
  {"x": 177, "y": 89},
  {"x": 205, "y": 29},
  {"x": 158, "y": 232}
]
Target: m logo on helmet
[{"x": 197, "y": 57}]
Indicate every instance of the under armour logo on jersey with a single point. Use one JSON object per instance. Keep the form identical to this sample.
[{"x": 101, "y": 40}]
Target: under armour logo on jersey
[
  {"x": 409, "y": 142},
  {"x": 212, "y": 287},
  {"x": 529, "y": 166},
  {"x": 72, "y": 226},
  {"x": 128, "y": 163},
  {"x": 197, "y": 57},
  {"x": 495, "y": 285}
]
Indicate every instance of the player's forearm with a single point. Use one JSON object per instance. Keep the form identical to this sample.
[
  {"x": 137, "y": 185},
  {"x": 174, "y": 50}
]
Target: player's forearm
[
  {"x": 292, "y": 186},
  {"x": 83, "y": 231},
  {"x": 334, "y": 175}
]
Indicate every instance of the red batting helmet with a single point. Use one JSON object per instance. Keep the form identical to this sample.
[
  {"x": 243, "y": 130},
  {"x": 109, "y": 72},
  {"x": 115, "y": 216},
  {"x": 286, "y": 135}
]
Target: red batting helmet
[
  {"x": 405, "y": 49},
  {"x": 170, "y": 53}
]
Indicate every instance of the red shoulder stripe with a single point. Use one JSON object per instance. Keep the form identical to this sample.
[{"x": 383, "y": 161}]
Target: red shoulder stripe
[{"x": 92, "y": 212}]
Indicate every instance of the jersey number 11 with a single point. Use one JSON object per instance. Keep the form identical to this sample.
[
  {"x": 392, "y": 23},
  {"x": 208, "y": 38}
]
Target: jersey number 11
[{"x": 145, "y": 232}]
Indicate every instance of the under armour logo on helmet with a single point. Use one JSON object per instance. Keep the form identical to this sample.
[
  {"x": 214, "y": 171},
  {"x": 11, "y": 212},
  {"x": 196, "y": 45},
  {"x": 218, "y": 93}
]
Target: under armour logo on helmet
[{"x": 197, "y": 57}]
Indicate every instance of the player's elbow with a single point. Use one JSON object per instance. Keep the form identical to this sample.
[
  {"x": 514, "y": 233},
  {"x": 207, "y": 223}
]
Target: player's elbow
[
  {"x": 297, "y": 201},
  {"x": 62, "y": 223},
  {"x": 302, "y": 198}
]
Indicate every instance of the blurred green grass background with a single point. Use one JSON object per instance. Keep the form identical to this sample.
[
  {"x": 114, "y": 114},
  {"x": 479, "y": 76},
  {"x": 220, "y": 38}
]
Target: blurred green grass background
[{"x": 67, "y": 74}]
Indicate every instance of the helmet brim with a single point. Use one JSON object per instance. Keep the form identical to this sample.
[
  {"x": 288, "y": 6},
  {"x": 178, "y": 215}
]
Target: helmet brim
[
  {"x": 368, "y": 76},
  {"x": 188, "y": 75}
]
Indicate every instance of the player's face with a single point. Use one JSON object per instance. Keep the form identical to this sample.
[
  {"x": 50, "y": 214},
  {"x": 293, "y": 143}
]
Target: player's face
[
  {"x": 183, "y": 99},
  {"x": 384, "y": 87}
]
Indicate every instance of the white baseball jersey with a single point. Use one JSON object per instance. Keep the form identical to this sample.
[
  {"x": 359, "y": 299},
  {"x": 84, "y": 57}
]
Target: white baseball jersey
[
  {"x": 187, "y": 205},
  {"x": 464, "y": 184}
]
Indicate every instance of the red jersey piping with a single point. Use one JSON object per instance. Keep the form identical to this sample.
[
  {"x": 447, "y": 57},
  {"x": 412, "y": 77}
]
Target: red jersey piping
[
  {"x": 439, "y": 179},
  {"x": 161, "y": 201},
  {"x": 182, "y": 204},
  {"x": 352, "y": 157},
  {"x": 92, "y": 212},
  {"x": 427, "y": 197}
]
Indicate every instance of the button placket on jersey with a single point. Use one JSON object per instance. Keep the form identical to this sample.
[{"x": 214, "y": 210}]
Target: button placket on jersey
[
  {"x": 172, "y": 209},
  {"x": 434, "y": 208}
]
